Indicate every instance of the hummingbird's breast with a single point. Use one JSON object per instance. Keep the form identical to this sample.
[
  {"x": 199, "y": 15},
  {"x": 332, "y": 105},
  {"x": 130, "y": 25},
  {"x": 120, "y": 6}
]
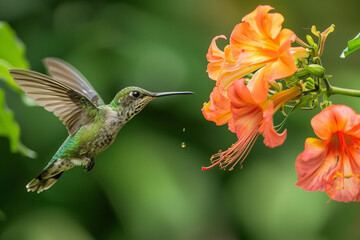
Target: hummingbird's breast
[{"x": 100, "y": 135}]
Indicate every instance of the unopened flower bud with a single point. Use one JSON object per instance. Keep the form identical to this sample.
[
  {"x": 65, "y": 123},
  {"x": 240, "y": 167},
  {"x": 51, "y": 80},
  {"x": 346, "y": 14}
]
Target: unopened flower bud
[
  {"x": 310, "y": 40},
  {"x": 302, "y": 73},
  {"x": 316, "y": 49},
  {"x": 315, "y": 70}
]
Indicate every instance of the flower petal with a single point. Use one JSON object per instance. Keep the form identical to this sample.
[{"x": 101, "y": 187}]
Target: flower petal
[
  {"x": 216, "y": 59},
  {"x": 331, "y": 119},
  {"x": 347, "y": 192},
  {"x": 227, "y": 77},
  {"x": 240, "y": 95},
  {"x": 314, "y": 165},
  {"x": 284, "y": 64},
  {"x": 218, "y": 108},
  {"x": 299, "y": 52},
  {"x": 250, "y": 46},
  {"x": 259, "y": 85},
  {"x": 265, "y": 23},
  {"x": 344, "y": 185},
  {"x": 271, "y": 137},
  {"x": 214, "y": 53},
  {"x": 247, "y": 114}
]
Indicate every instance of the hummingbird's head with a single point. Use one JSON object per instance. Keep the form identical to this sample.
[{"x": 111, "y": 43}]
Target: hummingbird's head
[{"x": 132, "y": 100}]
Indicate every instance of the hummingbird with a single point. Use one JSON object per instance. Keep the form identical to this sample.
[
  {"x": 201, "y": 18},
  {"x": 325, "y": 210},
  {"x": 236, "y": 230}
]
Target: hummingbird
[{"x": 92, "y": 125}]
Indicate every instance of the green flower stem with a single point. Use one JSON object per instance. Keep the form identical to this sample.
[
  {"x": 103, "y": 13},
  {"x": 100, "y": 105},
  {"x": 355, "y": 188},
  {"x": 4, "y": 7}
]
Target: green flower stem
[
  {"x": 327, "y": 84},
  {"x": 327, "y": 91},
  {"x": 343, "y": 91},
  {"x": 331, "y": 90}
]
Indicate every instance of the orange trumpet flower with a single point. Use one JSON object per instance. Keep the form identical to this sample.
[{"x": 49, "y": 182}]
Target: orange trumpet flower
[
  {"x": 251, "y": 115},
  {"x": 332, "y": 163},
  {"x": 257, "y": 42}
]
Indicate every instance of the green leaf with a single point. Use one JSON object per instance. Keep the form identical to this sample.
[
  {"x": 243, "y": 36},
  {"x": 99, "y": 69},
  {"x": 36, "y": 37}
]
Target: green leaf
[
  {"x": 4, "y": 74},
  {"x": 12, "y": 54},
  {"x": 352, "y": 46},
  {"x": 10, "y": 129},
  {"x": 11, "y": 48}
]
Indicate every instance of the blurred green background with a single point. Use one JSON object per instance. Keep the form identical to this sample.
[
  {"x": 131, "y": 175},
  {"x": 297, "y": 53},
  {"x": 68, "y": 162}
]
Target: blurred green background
[{"x": 146, "y": 186}]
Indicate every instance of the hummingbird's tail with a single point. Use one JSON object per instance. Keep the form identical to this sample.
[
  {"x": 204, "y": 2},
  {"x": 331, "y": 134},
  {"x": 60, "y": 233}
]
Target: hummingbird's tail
[{"x": 40, "y": 184}]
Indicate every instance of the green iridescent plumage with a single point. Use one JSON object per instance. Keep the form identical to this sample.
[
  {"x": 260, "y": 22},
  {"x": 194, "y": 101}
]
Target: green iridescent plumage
[{"x": 91, "y": 124}]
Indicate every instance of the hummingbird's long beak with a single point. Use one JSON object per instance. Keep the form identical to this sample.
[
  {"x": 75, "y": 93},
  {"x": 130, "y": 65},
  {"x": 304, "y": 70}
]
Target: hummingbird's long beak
[{"x": 162, "y": 94}]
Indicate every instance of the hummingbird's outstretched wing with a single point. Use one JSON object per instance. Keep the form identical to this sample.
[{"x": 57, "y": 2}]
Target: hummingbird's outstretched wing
[
  {"x": 73, "y": 108},
  {"x": 64, "y": 73}
]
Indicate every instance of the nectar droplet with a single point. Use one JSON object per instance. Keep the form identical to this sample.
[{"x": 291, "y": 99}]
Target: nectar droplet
[{"x": 184, "y": 129}]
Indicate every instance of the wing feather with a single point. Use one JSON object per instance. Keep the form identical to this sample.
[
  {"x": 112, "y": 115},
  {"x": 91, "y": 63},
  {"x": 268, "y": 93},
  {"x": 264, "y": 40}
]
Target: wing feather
[
  {"x": 66, "y": 74},
  {"x": 72, "y": 108}
]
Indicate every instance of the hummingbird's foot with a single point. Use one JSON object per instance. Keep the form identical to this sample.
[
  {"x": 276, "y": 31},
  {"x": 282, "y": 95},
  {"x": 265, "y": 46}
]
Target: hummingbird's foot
[{"x": 90, "y": 164}]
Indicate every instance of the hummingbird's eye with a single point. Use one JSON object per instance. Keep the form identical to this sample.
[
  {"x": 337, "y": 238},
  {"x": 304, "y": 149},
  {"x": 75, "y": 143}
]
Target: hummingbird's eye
[{"x": 134, "y": 94}]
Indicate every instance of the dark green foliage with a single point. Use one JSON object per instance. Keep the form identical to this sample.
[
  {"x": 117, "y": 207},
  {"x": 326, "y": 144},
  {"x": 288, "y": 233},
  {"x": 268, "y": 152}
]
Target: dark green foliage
[{"x": 11, "y": 56}]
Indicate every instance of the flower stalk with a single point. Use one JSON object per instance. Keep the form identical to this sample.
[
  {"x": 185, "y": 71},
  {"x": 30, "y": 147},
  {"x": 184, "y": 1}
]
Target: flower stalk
[{"x": 343, "y": 91}]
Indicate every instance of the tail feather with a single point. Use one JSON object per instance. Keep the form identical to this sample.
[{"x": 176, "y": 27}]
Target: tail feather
[{"x": 39, "y": 184}]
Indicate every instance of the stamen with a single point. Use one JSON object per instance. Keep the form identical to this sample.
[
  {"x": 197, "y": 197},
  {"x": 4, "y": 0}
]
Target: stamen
[
  {"x": 341, "y": 182},
  {"x": 247, "y": 151},
  {"x": 213, "y": 165},
  {"x": 236, "y": 153}
]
